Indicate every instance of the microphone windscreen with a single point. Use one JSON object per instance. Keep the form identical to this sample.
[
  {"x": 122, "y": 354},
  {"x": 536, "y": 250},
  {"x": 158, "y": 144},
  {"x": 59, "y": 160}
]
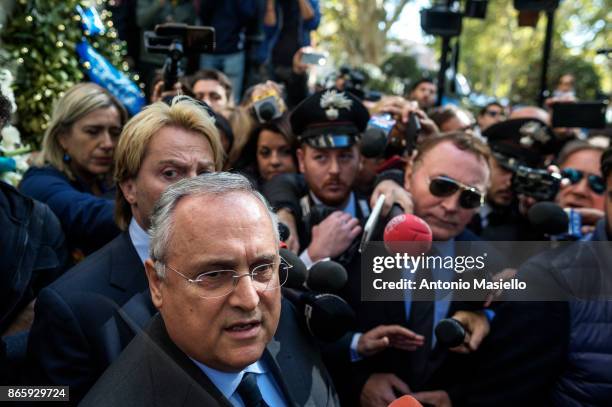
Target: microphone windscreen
[
  {"x": 327, "y": 277},
  {"x": 297, "y": 274},
  {"x": 373, "y": 142},
  {"x": 408, "y": 234},
  {"x": 406, "y": 401},
  {"x": 266, "y": 111},
  {"x": 548, "y": 218},
  {"x": 450, "y": 333},
  {"x": 283, "y": 231},
  {"x": 330, "y": 317}
]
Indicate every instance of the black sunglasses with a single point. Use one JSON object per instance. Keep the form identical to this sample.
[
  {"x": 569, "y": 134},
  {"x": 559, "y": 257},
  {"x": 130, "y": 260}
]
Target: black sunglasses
[
  {"x": 596, "y": 183},
  {"x": 494, "y": 113},
  {"x": 469, "y": 198}
]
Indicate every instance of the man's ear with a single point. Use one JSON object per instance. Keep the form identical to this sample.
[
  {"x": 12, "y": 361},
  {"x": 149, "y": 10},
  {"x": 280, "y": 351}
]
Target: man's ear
[
  {"x": 300, "y": 156},
  {"x": 154, "y": 284},
  {"x": 128, "y": 188}
]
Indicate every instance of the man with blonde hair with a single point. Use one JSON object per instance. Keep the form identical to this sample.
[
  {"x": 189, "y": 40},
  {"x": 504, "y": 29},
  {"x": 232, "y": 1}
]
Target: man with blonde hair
[{"x": 85, "y": 319}]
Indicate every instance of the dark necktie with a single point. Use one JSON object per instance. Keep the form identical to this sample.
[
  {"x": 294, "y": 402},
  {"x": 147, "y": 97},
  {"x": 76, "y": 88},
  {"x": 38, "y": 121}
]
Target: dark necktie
[{"x": 249, "y": 392}]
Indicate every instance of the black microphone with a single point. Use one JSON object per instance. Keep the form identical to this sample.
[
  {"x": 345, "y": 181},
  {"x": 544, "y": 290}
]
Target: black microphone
[
  {"x": 450, "y": 333},
  {"x": 373, "y": 142},
  {"x": 548, "y": 218},
  {"x": 327, "y": 277},
  {"x": 327, "y": 317},
  {"x": 297, "y": 274}
]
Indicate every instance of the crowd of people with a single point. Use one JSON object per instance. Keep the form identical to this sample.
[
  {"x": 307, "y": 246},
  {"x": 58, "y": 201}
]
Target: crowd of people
[{"x": 156, "y": 259}]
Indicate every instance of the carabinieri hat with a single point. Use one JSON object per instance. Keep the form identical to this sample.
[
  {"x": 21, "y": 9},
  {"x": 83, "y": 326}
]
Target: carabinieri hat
[{"x": 329, "y": 119}]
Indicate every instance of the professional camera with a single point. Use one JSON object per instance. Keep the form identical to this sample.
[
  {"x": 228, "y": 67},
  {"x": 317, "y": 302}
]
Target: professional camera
[
  {"x": 176, "y": 41},
  {"x": 538, "y": 184},
  {"x": 385, "y": 138}
]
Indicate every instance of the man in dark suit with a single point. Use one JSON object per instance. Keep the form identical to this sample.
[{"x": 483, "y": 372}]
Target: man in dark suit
[
  {"x": 85, "y": 318},
  {"x": 216, "y": 283},
  {"x": 447, "y": 179}
]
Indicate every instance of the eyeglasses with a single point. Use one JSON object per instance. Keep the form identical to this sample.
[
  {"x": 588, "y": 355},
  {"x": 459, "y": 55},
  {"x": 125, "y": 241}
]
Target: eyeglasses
[
  {"x": 469, "y": 198},
  {"x": 596, "y": 183},
  {"x": 219, "y": 283}
]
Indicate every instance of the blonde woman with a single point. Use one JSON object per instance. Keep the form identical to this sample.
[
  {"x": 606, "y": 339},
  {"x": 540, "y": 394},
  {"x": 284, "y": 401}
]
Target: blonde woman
[{"x": 74, "y": 172}]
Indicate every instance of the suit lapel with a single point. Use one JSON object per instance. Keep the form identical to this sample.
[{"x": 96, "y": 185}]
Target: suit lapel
[
  {"x": 273, "y": 359},
  {"x": 126, "y": 271},
  {"x": 201, "y": 390}
]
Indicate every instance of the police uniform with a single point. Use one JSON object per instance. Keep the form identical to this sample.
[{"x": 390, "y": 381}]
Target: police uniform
[
  {"x": 329, "y": 119},
  {"x": 514, "y": 143}
]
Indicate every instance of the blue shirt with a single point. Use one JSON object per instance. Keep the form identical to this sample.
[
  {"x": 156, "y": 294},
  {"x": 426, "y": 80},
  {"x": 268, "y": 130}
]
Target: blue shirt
[
  {"x": 228, "y": 383},
  {"x": 140, "y": 239}
]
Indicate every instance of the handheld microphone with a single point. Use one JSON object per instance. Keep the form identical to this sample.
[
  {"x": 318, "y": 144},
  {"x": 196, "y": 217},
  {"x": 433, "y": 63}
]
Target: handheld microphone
[
  {"x": 550, "y": 219},
  {"x": 373, "y": 142},
  {"x": 409, "y": 234},
  {"x": 450, "y": 333},
  {"x": 406, "y": 401},
  {"x": 297, "y": 273},
  {"x": 327, "y": 277},
  {"x": 327, "y": 317},
  {"x": 283, "y": 231}
]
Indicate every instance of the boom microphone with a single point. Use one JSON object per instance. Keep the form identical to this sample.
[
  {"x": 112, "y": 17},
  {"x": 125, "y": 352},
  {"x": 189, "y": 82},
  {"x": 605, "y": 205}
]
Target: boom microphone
[
  {"x": 327, "y": 317},
  {"x": 327, "y": 277}
]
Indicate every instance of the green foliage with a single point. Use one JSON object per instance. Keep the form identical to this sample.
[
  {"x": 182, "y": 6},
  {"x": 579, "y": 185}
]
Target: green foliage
[
  {"x": 40, "y": 40},
  {"x": 503, "y": 60}
]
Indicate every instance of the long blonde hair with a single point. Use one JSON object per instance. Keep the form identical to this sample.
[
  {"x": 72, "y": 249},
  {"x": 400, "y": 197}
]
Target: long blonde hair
[{"x": 77, "y": 102}]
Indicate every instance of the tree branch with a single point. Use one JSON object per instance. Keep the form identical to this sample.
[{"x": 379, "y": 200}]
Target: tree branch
[{"x": 395, "y": 16}]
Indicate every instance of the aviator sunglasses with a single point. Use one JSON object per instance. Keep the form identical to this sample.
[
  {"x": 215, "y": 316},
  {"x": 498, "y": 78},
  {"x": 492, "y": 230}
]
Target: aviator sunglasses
[
  {"x": 596, "y": 183},
  {"x": 469, "y": 198}
]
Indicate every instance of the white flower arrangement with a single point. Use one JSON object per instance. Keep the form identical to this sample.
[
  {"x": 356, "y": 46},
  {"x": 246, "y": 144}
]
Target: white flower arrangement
[{"x": 12, "y": 150}]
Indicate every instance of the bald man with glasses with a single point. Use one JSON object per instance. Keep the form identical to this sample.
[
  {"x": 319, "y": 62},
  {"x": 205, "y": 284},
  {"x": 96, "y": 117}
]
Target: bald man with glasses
[{"x": 222, "y": 337}]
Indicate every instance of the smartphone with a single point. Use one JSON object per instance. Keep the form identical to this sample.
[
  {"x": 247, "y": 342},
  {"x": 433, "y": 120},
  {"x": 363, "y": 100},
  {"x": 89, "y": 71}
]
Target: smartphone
[
  {"x": 587, "y": 115},
  {"x": 314, "y": 58}
]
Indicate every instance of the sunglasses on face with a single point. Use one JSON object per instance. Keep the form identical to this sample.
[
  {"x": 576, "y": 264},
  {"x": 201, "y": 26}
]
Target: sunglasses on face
[
  {"x": 494, "y": 113},
  {"x": 596, "y": 183},
  {"x": 443, "y": 187}
]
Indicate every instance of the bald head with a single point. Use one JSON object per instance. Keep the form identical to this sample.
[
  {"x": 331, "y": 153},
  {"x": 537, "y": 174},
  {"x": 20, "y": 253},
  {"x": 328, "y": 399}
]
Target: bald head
[{"x": 531, "y": 112}]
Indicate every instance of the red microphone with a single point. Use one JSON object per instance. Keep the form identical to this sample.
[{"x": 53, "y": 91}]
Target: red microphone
[
  {"x": 405, "y": 401},
  {"x": 408, "y": 234}
]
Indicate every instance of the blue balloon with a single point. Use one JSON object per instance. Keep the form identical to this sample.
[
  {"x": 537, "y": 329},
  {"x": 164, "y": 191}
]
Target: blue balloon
[{"x": 102, "y": 72}]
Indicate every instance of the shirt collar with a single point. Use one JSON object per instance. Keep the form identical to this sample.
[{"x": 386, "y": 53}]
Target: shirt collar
[
  {"x": 227, "y": 383},
  {"x": 140, "y": 239}
]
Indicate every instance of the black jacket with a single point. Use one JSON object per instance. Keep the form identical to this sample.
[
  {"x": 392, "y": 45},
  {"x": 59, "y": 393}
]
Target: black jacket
[{"x": 32, "y": 252}]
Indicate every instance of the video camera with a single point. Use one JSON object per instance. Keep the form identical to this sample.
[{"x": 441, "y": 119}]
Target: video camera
[
  {"x": 536, "y": 183},
  {"x": 176, "y": 41}
]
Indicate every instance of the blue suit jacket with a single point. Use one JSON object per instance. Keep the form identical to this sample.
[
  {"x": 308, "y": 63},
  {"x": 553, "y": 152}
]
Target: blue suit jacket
[{"x": 72, "y": 341}]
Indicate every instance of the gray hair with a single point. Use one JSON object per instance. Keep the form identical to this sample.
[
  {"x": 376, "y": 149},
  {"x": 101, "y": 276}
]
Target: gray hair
[{"x": 209, "y": 184}]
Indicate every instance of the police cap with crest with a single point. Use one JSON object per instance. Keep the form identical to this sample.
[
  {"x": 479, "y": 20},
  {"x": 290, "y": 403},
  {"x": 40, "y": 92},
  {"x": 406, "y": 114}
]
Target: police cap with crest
[
  {"x": 521, "y": 141},
  {"x": 329, "y": 119}
]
